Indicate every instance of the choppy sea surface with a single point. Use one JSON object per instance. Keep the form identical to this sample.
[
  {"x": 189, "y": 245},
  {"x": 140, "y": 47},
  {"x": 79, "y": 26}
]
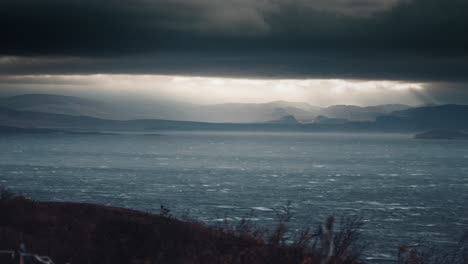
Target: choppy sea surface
[{"x": 406, "y": 190}]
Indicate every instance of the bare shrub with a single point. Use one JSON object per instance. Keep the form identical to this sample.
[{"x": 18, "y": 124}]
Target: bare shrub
[
  {"x": 434, "y": 254},
  {"x": 283, "y": 216},
  {"x": 347, "y": 241}
]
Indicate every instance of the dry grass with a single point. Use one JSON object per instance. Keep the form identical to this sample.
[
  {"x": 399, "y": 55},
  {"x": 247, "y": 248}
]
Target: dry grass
[
  {"x": 431, "y": 254},
  {"x": 86, "y": 233}
]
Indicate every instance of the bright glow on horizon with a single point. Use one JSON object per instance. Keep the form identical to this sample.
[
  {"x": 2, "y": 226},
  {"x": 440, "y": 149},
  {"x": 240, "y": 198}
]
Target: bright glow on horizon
[{"x": 214, "y": 90}]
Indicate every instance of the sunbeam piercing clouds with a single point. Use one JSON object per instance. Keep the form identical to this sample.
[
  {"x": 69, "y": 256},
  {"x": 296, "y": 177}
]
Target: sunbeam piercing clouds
[
  {"x": 215, "y": 90},
  {"x": 204, "y": 51}
]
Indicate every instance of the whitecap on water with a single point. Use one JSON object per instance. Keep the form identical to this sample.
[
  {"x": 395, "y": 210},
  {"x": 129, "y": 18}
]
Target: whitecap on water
[
  {"x": 374, "y": 203},
  {"x": 247, "y": 218},
  {"x": 379, "y": 256},
  {"x": 393, "y": 220},
  {"x": 295, "y": 186},
  {"x": 124, "y": 195},
  {"x": 426, "y": 225},
  {"x": 222, "y": 219},
  {"x": 226, "y": 206},
  {"x": 263, "y": 209}
]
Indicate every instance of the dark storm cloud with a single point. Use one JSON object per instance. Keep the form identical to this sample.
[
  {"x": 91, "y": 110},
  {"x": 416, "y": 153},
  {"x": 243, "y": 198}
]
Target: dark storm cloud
[
  {"x": 85, "y": 27},
  {"x": 375, "y": 39}
]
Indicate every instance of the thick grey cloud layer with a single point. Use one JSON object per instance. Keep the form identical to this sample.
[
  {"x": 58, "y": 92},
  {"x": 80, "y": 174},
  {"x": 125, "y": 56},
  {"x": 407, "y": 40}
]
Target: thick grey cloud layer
[
  {"x": 370, "y": 39},
  {"x": 77, "y": 27}
]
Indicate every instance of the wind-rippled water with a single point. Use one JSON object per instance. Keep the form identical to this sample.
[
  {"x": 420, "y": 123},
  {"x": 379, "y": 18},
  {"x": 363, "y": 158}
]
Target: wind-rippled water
[{"x": 406, "y": 190}]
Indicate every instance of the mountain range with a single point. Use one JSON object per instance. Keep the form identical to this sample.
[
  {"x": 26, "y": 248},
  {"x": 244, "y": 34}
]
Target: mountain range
[
  {"x": 217, "y": 113},
  {"x": 77, "y": 114}
]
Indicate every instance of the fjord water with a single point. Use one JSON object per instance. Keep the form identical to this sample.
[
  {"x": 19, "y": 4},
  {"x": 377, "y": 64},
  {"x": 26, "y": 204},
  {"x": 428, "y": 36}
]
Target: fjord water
[{"x": 406, "y": 190}]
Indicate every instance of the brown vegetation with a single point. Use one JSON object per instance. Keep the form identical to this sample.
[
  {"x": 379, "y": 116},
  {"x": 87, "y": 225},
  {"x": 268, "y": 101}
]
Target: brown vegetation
[{"x": 86, "y": 233}]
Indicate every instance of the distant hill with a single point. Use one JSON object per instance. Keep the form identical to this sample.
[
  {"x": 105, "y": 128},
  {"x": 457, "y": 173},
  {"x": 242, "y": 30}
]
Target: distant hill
[
  {"x": 217, "y": 113},
  {"x": 359, "y": 113},
  {"x": 330, "y": 121},
  {"x": 57, "y": 104},
  {"x": 425, "y": 118},
  {"x": 286, "y": 120},
  {"x": 28, "y": 119},
  {"x": 302, "y": 112},
  {"x": 21, "y": 130},
  {"x": 25, "y": 130},
  {"x": 249, "y": 113},
  {"x": 453, "y": 117},
  {"x": 442, "y": 134}
]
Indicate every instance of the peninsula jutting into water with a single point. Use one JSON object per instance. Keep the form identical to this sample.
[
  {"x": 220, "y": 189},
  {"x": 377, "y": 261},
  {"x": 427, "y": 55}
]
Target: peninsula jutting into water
[{"x": 443, "y": 134}]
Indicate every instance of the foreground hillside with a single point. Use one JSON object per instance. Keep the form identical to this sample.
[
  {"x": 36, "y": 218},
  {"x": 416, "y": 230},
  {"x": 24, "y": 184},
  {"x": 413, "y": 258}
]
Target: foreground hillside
[{"x": 86, "y": 233}]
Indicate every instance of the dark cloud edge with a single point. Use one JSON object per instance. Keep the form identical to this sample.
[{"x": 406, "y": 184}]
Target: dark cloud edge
[{"x": 420, "y": 40}]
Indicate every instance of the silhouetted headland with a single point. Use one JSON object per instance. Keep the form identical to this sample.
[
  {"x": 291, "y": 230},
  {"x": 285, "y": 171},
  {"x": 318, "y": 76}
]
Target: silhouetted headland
[{"x": 443, "y": 134}]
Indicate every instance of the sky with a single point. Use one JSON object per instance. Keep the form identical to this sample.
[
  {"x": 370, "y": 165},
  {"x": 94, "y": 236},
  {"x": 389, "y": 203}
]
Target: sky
[{"x": 209, "y": 51}]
